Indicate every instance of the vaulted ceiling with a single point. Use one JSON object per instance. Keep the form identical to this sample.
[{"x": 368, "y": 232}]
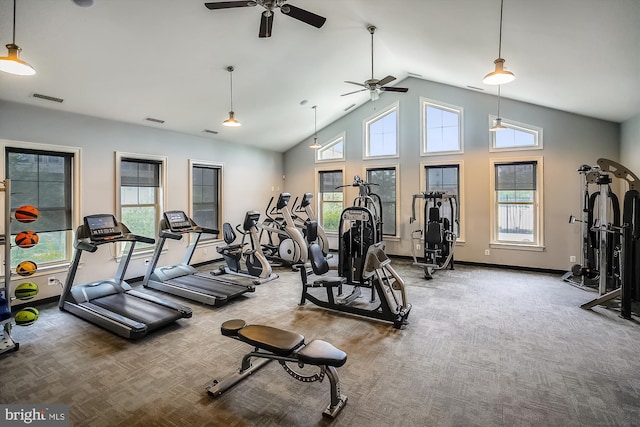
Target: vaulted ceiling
[{"x": 129, "y": 60}]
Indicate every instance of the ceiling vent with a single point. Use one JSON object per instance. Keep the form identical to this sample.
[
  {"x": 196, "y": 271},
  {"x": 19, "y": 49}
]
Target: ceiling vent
[
  {"x": 151, "y": 119},
  {"x": 210, "y": 131},
  {"x": 349, "y": 107},
  {"x": 47, "y": 97}
]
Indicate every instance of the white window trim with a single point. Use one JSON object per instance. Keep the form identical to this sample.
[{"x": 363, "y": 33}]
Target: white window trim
[
  {"x": 330, "y": 143},
  {"x": 192, "y": 163},
  {"x": 517, "y": 126},
  {"x": 424, "y": 102},
  {"x": 317, "y": 191},
  {"x": 539, "y": 214},
  {"x": 367, "y": 167},
  {"x": 164, "y": 180},
  {"x": 461, "y": 206},
  {"x": 378, "y": 115},
  {"x": 76, "y": 185}
]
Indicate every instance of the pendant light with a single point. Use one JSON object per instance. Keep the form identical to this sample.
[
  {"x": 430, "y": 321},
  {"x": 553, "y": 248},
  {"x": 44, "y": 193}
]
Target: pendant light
[
  {"x": 231, "y": 121},
  {"x": 12, "y": 63},
  {"x": 499, "y": 75},
  {"x": 497, "y": 123},
  {"x": 315, "y": 128}
]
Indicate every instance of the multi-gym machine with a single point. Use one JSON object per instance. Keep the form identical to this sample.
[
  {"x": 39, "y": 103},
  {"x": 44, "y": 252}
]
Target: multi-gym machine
[
  {"x": 613, "y": 247},
  {"x": 435, "y": 234}
]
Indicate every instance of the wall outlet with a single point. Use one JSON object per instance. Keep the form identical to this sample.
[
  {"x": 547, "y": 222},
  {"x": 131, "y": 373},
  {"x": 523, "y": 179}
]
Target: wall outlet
[
  {"x": 417, "y": 247},
  {"x": 487, "y": 252},
  {"x": 52, "y": 281},
  {"x": 572, "y": 258}
]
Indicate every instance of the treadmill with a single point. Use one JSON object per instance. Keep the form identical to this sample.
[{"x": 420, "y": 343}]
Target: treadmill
[
  {"x": 182, "y": 279},
  {"x": 113, "y": 304}
]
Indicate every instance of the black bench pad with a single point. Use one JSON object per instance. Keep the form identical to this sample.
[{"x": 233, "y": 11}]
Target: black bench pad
[
  {"x": 319, "y": 352},
  {"x": 275, "y": 340}
]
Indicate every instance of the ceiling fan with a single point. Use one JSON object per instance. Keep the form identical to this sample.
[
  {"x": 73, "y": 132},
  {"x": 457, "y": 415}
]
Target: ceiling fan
[
  {"x": 266, "y": 21},
  {"x": 375, "y": 86}
]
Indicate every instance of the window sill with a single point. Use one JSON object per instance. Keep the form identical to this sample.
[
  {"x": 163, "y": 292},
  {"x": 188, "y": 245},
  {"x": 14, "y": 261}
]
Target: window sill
[{"x": 517, "y": 246}]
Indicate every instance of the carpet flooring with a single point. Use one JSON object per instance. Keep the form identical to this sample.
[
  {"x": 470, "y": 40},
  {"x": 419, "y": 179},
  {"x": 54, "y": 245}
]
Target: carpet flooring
[{"x": 484, "y": 347}]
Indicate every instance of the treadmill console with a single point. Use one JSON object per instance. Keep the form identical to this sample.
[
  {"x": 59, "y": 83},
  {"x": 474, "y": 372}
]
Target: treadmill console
[
  {"x": 102, "y": 227},
  {"x": 177, "y": 221}
]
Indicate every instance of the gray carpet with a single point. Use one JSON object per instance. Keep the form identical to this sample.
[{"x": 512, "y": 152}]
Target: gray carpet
[{"x": 484, "y": 347}]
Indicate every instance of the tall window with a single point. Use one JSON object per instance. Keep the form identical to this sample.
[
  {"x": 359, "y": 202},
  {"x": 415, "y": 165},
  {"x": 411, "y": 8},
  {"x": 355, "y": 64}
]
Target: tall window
[
  {"x": 441, "y": 128},
  {"x": 517, "y": 202},
  {"x": 381, "y": 134},
  {"x": 331, "y": 199},
  {"x": 332, "y": 150},
  {"x": 42, "y": 179},
  {"x": 206, "y": 184},
  {"x": 445, "y": 178},
  {"x": 385, "y": 179},
  {"x": 515, "y": 136},
  {"x": 141, "y": 201}
]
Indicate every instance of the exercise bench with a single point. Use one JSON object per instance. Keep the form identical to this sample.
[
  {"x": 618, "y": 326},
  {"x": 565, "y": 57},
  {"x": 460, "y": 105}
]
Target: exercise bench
[{"x": 277, "y": 344}]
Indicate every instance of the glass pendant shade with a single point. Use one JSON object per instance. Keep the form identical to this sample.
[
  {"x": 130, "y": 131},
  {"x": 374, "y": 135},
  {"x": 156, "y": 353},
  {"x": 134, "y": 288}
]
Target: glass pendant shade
[
  {"x": 13, "y": 64},
  {"x": 497, "y": 125},
  {"x": 499, "y": 76},
  {"x": 231, "y": 121}
]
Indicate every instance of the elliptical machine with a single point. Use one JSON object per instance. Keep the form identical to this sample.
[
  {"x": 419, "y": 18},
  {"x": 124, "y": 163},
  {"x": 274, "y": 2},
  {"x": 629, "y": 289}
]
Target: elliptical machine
[
  {"x": 435, "y": 232},
  {"x": 305, "y": 208},
  {"x": 282, "y": 241},
  {"x": 257, "y": 266}
]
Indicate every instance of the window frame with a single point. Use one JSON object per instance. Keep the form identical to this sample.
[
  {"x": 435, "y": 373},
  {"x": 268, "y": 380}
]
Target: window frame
[
  {"x": 426, "y": 102},
  {"x": 319, "y": 211},
  {"x": 517, "y": 126},
  {"x": 207, "y": 238},
  {"x": 461, "y": 190},
  {"x": 76, "y": 184},
  {"x": 394, "y": 107},
  {"x": 161, "y": 197},
  {"x": 396, "y": 167},
  {"x": 538, "y": 243},
  {"x": 333, "y": 141}
]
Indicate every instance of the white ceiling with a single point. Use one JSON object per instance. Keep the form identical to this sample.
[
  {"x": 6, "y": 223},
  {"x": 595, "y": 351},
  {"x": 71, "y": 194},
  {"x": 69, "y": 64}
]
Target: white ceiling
[{"x": 131, "y": 59}]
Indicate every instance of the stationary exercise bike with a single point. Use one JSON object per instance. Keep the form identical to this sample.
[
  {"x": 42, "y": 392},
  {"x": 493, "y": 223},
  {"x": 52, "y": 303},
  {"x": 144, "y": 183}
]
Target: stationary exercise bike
[
  {"x": 282, "y": 242},
  {"x": 303, "y": 214},
  {"x": 257, "y": 266},
  {"x": 435, "y": 234}
]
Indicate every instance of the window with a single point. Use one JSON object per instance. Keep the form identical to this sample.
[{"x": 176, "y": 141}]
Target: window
[
  {"x": 332, "y": 150},
  {"x": 141, "y": 180},
  {"x": 381, "y": 134},
  {"x": 446, "y": 178},
  {"x": 206, "y": 184},
  {"x": 517, "y": 202},
  {"x": 43, "y": 179},
  {"x": 386, "y": 188},
  {"x": 441, "y": 128},
  {"x": 330, "y": 199},
  {"x": 516, "y": 136}
]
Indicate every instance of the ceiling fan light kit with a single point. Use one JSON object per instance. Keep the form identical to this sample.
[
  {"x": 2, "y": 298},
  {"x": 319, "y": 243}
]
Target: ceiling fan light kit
[
  {"x": 12, "y": 63},
  {"x": 231, "y": 121},
  {"x": 499, "y": 75}
]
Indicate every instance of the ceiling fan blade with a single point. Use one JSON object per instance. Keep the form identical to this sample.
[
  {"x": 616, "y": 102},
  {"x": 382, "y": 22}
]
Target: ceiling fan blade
[
  {"x": 386, "y": 80},
  {"x": 303, "y": 15},
  {"x": 394, "y": 89},
  {"x": 266, "y": 23},
  {"x": 354, "y": 83},
  {"x": 229, "y": 4},
  {"x": 355, "y": 91}
]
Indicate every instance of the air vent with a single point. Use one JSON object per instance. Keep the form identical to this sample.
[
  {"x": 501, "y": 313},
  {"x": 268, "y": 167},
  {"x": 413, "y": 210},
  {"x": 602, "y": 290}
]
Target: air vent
[
  {"x": 475, "y": 88},
  {"x": 415, "y": 75},
  {"x": 210, "y": 131},
  {"x": 151, "y": 119},
  {"x": 47, "y": 97},
  {"x": 349, "y": 107}
]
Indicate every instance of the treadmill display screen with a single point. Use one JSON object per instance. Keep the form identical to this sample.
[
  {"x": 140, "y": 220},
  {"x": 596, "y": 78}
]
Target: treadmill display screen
[
  {"x": 102, "y": 226},
  {"x": 177, "y": 220}
]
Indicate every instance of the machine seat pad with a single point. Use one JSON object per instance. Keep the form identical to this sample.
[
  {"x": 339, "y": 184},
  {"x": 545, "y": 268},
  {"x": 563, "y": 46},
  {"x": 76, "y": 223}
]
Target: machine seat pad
[
  {"x": 230, "y": 328},
  {"x": 330, "y": 282},
  {"x": 275, "y": 340},
  {"x": 319, "y": 352},
  {"x": 229, "y": 248}
]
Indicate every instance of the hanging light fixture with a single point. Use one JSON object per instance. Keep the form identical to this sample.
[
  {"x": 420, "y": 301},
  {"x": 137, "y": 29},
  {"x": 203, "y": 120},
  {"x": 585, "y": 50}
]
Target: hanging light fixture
[
  {"x": 499, "y": 75},
  {"x": 497, "y": 123},
  {"x": 315, "y": 128},
  {"x": 231, "y": 121},
  {"x": 12, "y": 63}
]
